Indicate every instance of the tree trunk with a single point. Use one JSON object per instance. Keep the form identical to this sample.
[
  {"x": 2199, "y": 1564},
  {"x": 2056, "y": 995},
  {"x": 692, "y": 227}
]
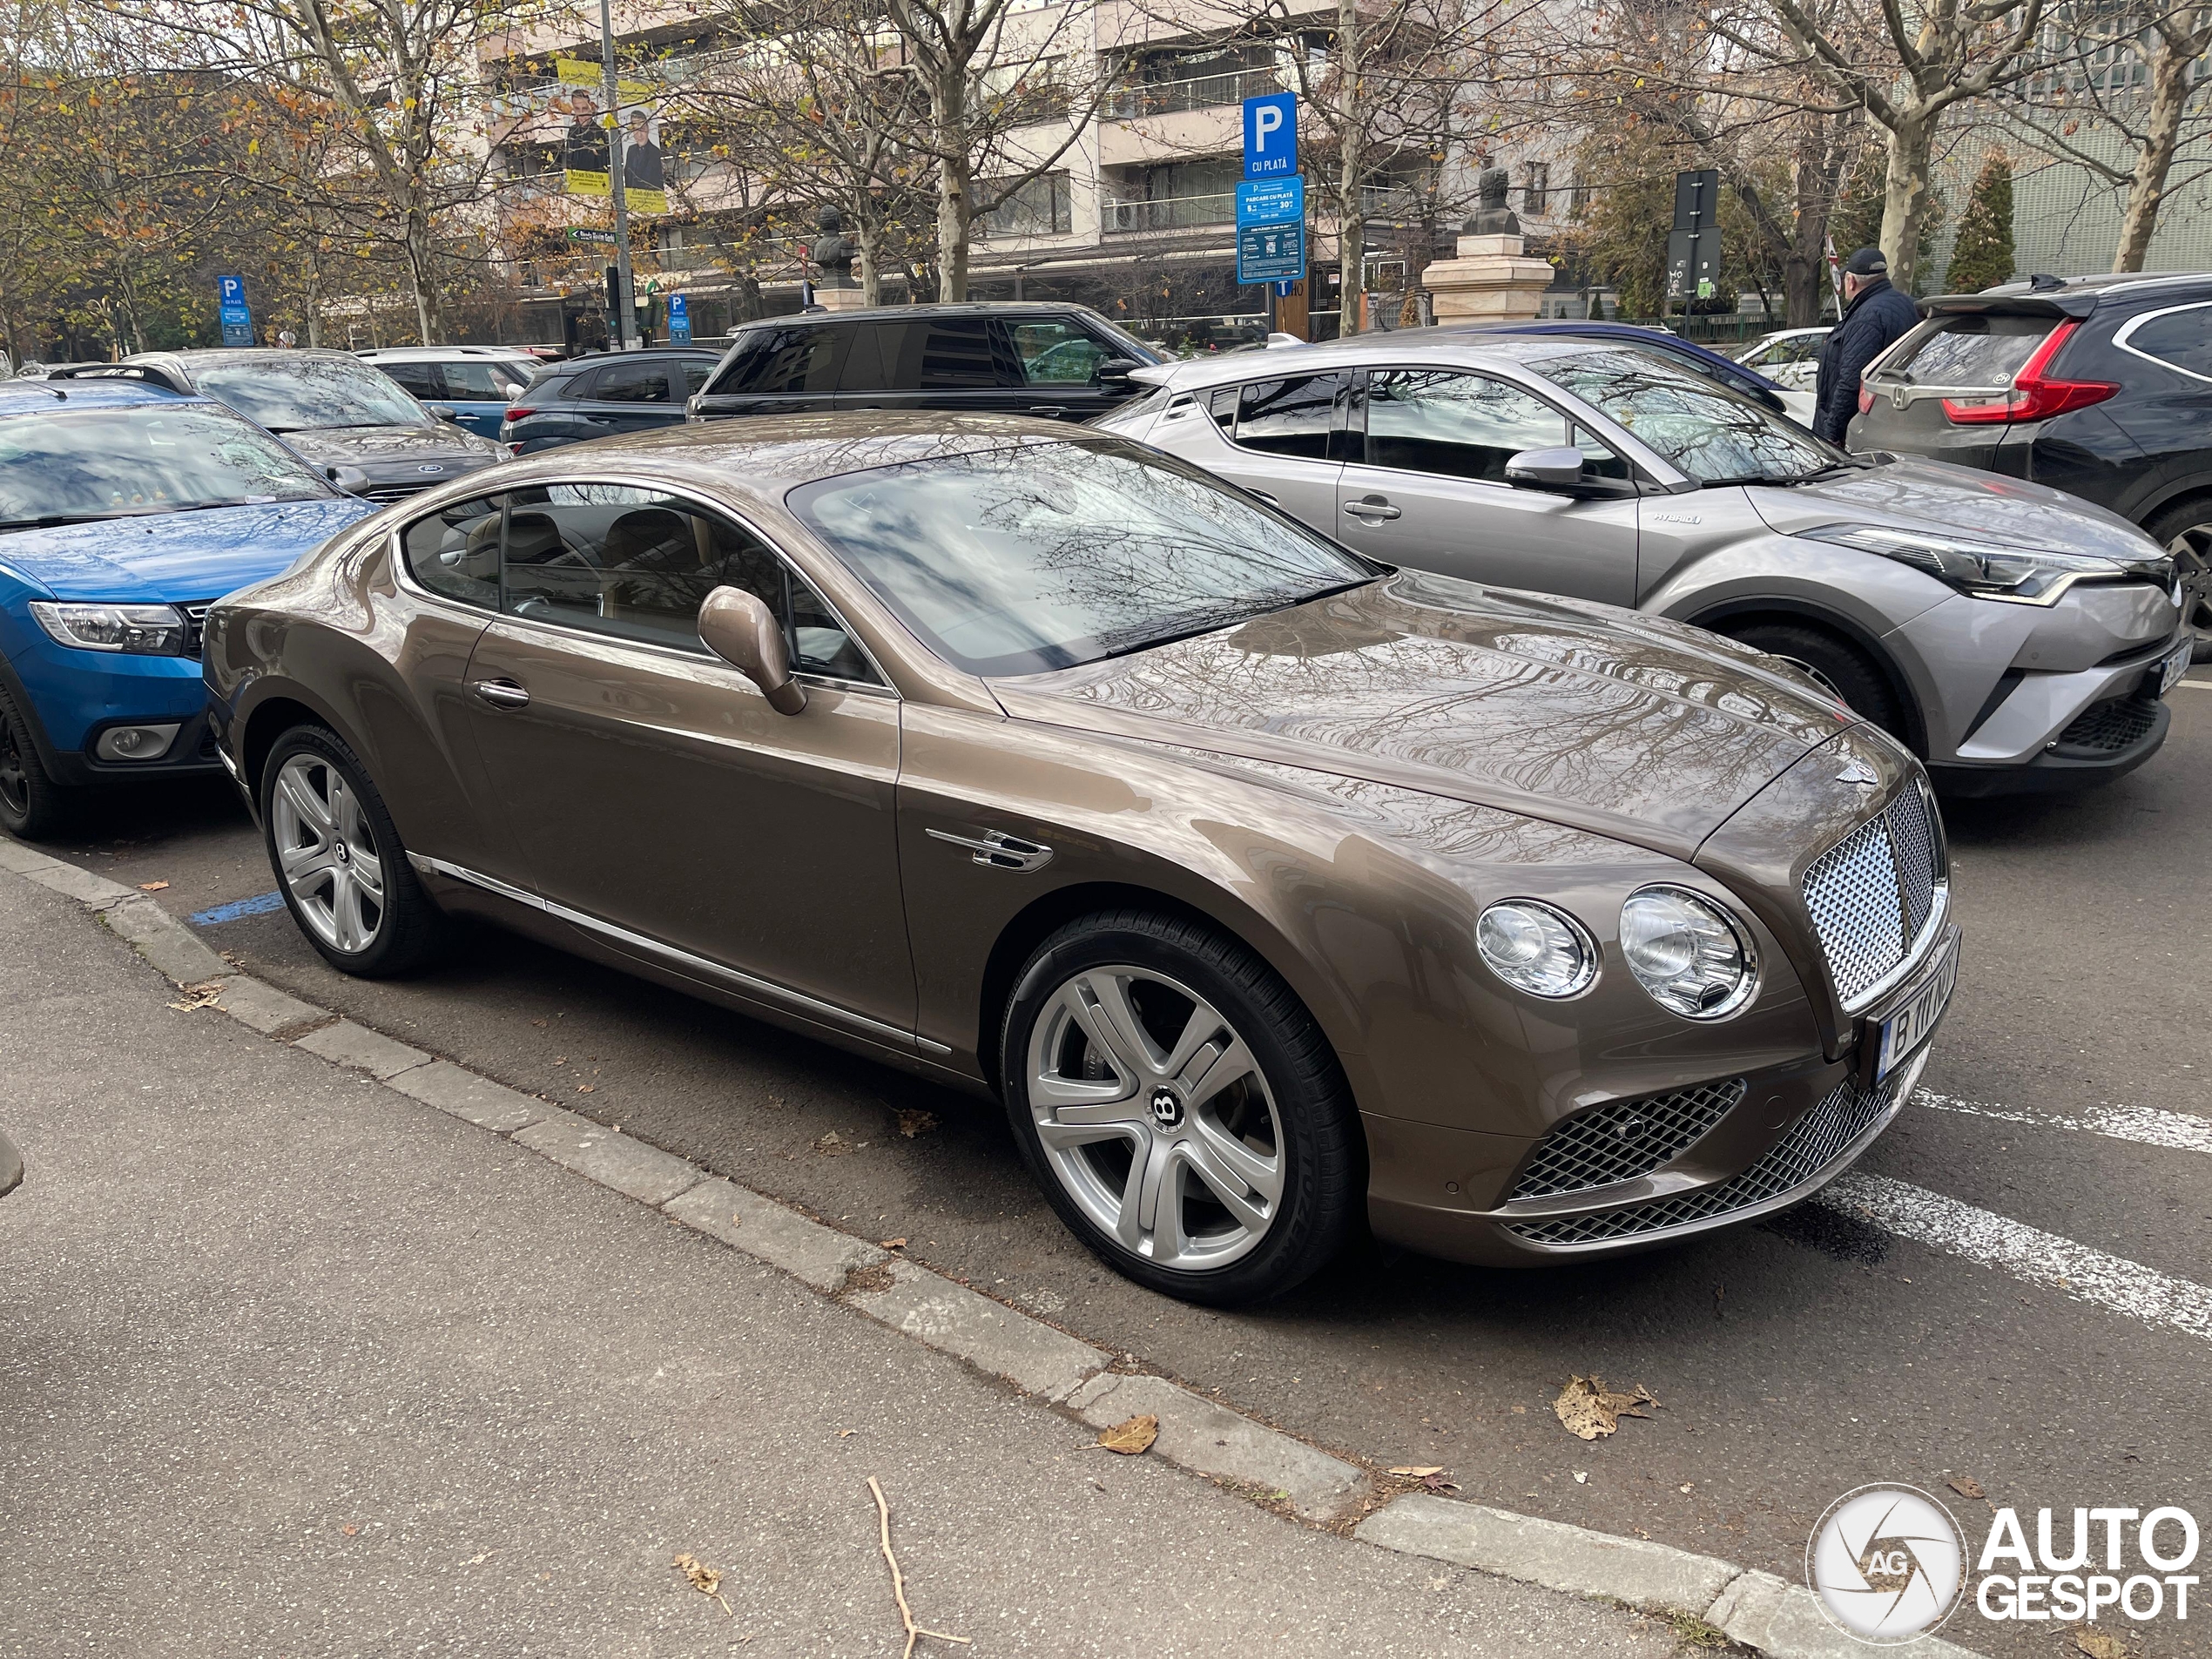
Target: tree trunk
[
  {"x": 948, "y": 115},
  {"x": 1351, "y": 223},
  {"x": 1905, "y": 196},
  {"x": 428, "y": 321},
  {"x": 865, "y": 235},
  {"x": 2169, "y": 92}
]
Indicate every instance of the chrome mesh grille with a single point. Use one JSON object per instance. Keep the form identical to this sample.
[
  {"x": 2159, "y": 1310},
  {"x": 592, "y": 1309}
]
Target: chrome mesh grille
[
  {"x": 1623, "y": 1140},
  {"x": 1870, "y": 894},
  {"x": 1818, "y": 1139}
]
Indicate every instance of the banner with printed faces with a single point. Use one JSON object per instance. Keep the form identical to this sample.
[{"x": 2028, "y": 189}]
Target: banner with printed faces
[{"x": 569, "y": 114}]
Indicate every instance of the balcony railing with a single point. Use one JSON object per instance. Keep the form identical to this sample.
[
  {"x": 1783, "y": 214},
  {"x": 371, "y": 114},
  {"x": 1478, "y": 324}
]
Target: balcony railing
[
  {"x": 1141, "y": 98},
  {"x": 1168, "y": 213}
]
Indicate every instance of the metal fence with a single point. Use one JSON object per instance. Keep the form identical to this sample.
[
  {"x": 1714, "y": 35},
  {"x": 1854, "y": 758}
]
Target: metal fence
[
  {"x": 1169, "y": 213},
  {"x": 1141, "y": 98}
]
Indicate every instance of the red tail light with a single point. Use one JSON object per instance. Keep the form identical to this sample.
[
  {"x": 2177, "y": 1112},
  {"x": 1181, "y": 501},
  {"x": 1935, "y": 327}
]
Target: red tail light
[
  {"x": 1865, "y": 402},
  {"x": 520, "y": 415},
  {"x": 2033, "y": 396}
]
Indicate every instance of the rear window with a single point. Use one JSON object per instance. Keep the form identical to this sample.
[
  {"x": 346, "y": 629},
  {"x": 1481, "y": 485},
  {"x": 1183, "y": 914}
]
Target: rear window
[
  {"x": 1972, "y": 351},
  {"x": 1287, "y": 417},
  {"x": 782, "y": 360},
  {"x": 2180, "y": 340}
]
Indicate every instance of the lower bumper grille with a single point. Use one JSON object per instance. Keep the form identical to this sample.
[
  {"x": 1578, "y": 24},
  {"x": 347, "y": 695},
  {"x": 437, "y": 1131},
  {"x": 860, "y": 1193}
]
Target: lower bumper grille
[
  {"x": 1816, "y": 1142},
  {"x": 1623, "y": 1140},
  {"x": 2110, "y": 726}
]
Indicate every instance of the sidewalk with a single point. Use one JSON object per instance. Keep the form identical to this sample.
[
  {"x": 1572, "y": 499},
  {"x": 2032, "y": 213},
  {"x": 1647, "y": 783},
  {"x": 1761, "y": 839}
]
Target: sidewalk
[{"x": 289, "y": 1364}]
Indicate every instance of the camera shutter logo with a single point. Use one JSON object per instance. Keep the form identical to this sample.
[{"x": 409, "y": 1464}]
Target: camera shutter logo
[{"x": 1887, "y": 1563}]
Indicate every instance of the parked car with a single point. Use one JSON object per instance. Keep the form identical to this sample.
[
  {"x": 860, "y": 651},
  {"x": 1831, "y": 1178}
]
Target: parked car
[
  {"x": 2100, "y": 386},
  {"x": 1272, "y": 891},
  {"x": 1056, "y": 361},
  {"x": 335, "y": 410},
  {"x": 1794, "y": 401},
  {"x": 471, "y": 386},
  {"x": 606, "y": 396},
  {"x": 2014, "y": 638},
  {"x": 123, "y": 511},
  {"x": 1788, "y": 357}
]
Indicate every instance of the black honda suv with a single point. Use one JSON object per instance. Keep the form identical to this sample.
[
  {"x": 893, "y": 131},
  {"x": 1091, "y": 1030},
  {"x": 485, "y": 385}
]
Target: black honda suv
[
  {"x": 1062, "y": 361},
  {"x": 2100, "y": 386}
]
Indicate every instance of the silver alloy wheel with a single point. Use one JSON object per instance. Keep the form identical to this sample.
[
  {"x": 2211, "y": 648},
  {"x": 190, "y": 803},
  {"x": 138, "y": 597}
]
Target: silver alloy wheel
[
  {"x": 2192, "y": 551},
  {"x": 327, "y": 853},
  {"x": 1156, "y": 1117},
  {"x": 1812, "y": 674}
]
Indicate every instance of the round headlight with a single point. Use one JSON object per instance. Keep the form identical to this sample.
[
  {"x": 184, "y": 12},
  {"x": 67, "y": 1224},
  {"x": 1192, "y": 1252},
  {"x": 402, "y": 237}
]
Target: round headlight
[
  {"x": 1693, "y": 957},
  {"x": 1536, "y": 949}
]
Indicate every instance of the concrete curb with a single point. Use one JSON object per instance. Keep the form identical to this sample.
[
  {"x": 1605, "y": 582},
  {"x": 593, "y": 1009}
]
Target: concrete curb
[{"x": 1756, "y": 1609}]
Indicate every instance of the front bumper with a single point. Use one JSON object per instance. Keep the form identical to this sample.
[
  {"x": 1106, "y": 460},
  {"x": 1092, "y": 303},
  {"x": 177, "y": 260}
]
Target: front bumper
[
  {"x": 1791, "y": 1130},
  {"x": 72, "y": 696}
]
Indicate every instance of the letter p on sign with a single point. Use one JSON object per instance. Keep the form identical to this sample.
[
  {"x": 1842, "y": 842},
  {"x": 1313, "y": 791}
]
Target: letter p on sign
[{"x": 1271, "y": 136}]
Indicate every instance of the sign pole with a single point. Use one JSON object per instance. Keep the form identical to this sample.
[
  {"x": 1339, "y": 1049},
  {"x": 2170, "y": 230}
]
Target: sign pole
[{"x": 626, "y": 306}]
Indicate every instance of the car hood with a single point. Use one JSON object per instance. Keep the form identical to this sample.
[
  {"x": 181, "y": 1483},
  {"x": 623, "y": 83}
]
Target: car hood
[
  {"x": 1910, "y": 493},
  {"x": 1644, "y": 729},
  {"x": 384, "y": 450},
  {"x": 175, "y": 557}
]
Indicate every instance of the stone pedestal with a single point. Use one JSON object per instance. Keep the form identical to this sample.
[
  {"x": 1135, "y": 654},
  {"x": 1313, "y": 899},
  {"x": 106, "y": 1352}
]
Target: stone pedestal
[
  {"x": 1490, "y": 281},
  {"x": 845, "y": 299}
]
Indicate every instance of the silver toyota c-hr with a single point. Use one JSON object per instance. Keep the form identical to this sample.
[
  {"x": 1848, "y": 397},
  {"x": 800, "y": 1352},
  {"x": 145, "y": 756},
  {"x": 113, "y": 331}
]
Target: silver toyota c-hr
[{"x": 2015, "y": 636}]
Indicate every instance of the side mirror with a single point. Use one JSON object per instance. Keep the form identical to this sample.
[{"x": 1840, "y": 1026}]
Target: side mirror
[
  {"x": 741, "y": 630},
  {"x": 441, "y": 411},
  {"x": 1560, "y": 469},
  {"x": 1114, "y": 373},
  {"x": 351, "y": 480}
]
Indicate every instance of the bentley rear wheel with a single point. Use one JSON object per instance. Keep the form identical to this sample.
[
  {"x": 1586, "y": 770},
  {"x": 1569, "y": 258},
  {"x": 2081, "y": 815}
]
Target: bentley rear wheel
[{"x": 1180, "y": 1108}]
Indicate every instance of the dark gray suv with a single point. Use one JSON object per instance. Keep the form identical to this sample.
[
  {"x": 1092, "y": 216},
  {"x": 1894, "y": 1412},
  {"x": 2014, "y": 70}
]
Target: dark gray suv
[{"x": 1060, "y": 362}]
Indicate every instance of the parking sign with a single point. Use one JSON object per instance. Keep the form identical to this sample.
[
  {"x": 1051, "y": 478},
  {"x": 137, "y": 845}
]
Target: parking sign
[
  {"x": 1270, "y": 135},
  {"x": 230, "y": 311},
  {"x": 680, "y": 320}
]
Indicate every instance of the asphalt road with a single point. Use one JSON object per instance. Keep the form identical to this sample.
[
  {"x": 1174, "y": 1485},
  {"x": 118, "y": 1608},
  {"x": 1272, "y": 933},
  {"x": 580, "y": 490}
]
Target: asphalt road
[{"x": 1793, "y": 1362}]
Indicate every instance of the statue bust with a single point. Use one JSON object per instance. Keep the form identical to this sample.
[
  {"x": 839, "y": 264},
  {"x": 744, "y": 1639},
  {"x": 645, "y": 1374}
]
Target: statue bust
[
  {"x": 1493, "y": 217},
  {"x": 833, "y": 249}
]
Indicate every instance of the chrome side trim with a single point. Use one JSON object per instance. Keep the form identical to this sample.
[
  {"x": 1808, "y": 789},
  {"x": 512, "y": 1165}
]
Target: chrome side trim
[
  {"x": 997, "y": 850},
  {"x": 751, "y": 984}
]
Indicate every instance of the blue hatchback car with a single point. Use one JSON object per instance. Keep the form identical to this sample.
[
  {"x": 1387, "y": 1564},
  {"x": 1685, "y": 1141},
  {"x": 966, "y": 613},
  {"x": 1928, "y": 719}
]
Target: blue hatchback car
[{"x": 124, "y": 511}]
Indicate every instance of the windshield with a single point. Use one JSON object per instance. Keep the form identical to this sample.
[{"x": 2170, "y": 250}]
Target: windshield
[
  {"x": 107, "y": 463},
  {"x": 1715, "y": 436},
  {"x": 1020, "y": 560},
  {"x": 297, "y": 392}
]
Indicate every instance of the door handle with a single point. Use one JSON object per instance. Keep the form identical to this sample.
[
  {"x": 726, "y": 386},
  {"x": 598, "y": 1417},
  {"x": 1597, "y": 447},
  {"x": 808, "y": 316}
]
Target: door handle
[
  {"x": 1261, "y": 494},
  {"x": 500, "y": 694},
  {"x": 1050, "y": 411},
  {"x": 1374, "y": 507}
]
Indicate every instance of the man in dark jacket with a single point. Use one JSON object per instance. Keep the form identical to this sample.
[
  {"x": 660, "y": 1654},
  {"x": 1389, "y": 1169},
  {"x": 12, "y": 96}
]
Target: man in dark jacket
[{"x": 1876, "y": 316}]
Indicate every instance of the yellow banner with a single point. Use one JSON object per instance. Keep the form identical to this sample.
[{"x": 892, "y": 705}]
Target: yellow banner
[
  {"x": 577, "y": 183},
  {"x": 575, "y": 72},
  {"x": 640, "y": 200}
]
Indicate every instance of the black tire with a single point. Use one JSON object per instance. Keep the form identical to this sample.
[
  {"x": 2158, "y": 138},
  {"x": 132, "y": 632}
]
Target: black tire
[
  {"x": 410, "y": 931},
  {"x": 32, "y": 805},
  {"x": 1835, "y": 662},
  {"x": 1311, "y": 1133},
  {"x": 2185, "y": 530}
]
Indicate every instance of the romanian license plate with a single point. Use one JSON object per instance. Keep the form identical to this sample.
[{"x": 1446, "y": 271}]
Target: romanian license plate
[
  {"x": 1904, "y": 1030},
  {"x": 2175, "y": 664}
]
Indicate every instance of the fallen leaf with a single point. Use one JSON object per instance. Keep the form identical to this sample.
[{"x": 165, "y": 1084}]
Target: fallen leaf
[
  {"x": 1590, "y": 1412},
  {"x": 707, "y": 1581},
  {"x": 891, "y": 1244},
  {"x": 585, "y": 1089},
  {"x": 1437, "y": 1483},
  {"x": 204, "y": 995},
  {"x": 2098, "y": 1645},
  {"x": 540, "y": 1024},
  {"x": 1521, "y": 1410},
  {"x": 153, "y": 886},
  {"x": 350, "y": 1529},
  {"x": 1419, "y": 1471},
  {"x": 833, "y": 1145},
  {"x": 1684, "y": 1486},
  {"x": 913, "y": 1122},
  {"x": 1581, "y": 1477},
  {"x": 1967, "y": 1486},
  {"x": 1130, "y": 1438},
  {"x": 847, "y": 1433}
]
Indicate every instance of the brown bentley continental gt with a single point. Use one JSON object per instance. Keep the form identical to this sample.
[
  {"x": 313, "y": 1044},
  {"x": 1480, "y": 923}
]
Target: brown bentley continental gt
[{"x": 1269, "y": 888}]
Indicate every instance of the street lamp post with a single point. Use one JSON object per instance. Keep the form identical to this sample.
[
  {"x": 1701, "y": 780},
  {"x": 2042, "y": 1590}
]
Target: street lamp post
[{"x": 625, "y": 299}]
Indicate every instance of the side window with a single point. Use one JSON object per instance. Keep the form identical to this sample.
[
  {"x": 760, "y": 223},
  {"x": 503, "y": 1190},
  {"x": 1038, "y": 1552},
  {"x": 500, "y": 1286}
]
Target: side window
[
  {"x": 1461, "y": 426},
  {"x": 947, "y": 354},
  {"x": 2182, "y": 339},
  {"x": 696, "y": 375},
  {"x": 780, "y": 361},
  {"x": 645, "y": 382},
  {"x": 1288, "y": 417},
  {"x": 1054, "y": 353},
  {"x": 1598, "y": 459},
  {"x": 479, "y": 381},
  {"x": 454, "y": 553},
  {"x": 637, "y": 564},
  {"x": 425, "y": 381}
]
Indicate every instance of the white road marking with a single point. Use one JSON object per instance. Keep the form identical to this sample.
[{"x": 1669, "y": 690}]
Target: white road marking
[
  {"x": 2027, "y": 1253},
  {"x": 2145, "y": 1125},
  {"x": 2196, "y": 685}
]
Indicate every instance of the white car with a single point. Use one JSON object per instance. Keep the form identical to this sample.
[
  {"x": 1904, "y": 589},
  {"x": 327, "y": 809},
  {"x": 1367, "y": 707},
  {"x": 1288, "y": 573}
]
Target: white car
[{"x": 1788, "y": 357}]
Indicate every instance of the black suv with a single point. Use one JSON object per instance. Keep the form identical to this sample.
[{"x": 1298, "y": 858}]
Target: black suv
[
  {"x": 1020, "y": 359},
  {"x": 2100, "y": 386},
  {"x": 599, "y": 397}
]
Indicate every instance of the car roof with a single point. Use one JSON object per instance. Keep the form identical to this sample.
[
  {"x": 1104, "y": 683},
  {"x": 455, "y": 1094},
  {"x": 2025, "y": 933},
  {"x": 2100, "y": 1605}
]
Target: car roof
[
  {"x": 51, "y": 397},
  {"x": 434, "y": 353},
  {"x": 2075, "y": 296},
  {"x": 1467, "y": 347},
  {"x": 958, "y": 309}
]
